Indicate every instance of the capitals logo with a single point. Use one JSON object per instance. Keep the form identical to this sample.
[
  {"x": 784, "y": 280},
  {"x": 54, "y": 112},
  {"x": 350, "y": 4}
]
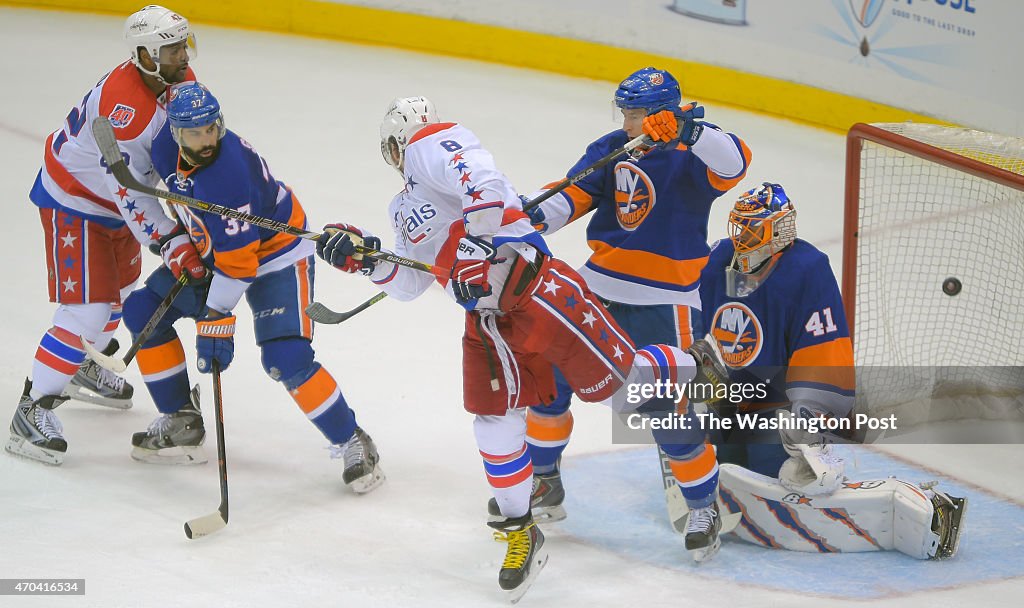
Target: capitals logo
[
  {"x": 634, "y": 195},
  {"x": 121, "y": 116},
  {"x": 738, "y": 333},
  {"x": 866, "y": 11}
]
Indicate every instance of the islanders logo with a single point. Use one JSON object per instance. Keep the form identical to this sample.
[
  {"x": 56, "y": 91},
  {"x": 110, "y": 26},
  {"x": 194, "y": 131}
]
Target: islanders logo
[
  {"x": 866, "y": 11},
  {"x": 196, "y": 230},
  {"x": 738, "y": 333},
  {"x": 634, "y": 195}
]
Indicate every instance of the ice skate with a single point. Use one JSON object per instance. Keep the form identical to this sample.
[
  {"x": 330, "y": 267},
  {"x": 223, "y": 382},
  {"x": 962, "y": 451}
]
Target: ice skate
[
  {"x": 36, "y": 431},
  {"x": 702, "y": 530},
  {"x": 525, "y": 556},
  {"x": 94, "y": 384},
  {"x": 947, "y": 522},
  {"x": 545, "y": 500},
  {"x": 362, "y": 473},
  {"x": 173, "y": 438}
]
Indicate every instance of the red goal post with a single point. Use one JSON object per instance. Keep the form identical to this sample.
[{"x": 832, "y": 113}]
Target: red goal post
[{"x": 933, "y": 256}]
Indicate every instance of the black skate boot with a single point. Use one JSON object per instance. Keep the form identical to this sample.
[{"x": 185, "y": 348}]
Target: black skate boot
[
  {"x": 36, "y": 431},
  {"x": 545, "y": 500},
  {"x": 947, "y": 521},
  {"x": 525, "y": 556},
  {"x": 702, "y": 530},
  {"x": 92, "y": 383},
  {"x": 362, "y": 473},
  {"x": 173, "y": 438}
]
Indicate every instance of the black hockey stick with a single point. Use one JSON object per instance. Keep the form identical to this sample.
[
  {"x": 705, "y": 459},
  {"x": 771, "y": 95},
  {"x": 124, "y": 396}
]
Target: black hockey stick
[
  {"x": 322, "y": 314},
  {"x": 103, "y": 132},
  {"x": 208, "y": 524},
  {"x": 119, "y": 365}
]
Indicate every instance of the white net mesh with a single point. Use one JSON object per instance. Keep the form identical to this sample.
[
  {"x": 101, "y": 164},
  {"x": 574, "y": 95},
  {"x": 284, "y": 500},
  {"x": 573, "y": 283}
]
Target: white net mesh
[{"x": 940, "y": 258}]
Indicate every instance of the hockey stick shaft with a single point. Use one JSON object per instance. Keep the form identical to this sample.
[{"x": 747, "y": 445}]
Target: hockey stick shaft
[
  {"x": 208, "y": 524},
  {"x": 573, "y": 179},
  {"x": 103, "y": 132},
  {"x": 119, "y": 365},
  {"x": 330, "y": 317}
]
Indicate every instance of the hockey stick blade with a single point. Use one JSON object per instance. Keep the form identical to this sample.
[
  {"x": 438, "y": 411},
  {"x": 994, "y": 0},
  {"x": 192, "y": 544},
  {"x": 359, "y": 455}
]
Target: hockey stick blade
[
  {"x": 114, "y": 364},
  {"x": 321, "y": 314},
  {"x": 205, "y": 525}
]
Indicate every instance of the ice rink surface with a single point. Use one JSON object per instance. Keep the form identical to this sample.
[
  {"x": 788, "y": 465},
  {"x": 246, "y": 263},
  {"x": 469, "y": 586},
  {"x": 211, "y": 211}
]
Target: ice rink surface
[{"x": 297, "y": 537}]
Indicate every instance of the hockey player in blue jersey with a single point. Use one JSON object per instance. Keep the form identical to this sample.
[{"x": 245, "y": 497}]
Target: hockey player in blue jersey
[
  {"x": 198, "y": 157},
  {"x": 648, "y": 233},
  {"x": 773, "y": 307}
]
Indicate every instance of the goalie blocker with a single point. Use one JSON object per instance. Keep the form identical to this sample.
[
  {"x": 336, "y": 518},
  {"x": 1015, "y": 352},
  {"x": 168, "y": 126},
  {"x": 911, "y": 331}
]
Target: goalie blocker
[{"x": 876, "y": 515}]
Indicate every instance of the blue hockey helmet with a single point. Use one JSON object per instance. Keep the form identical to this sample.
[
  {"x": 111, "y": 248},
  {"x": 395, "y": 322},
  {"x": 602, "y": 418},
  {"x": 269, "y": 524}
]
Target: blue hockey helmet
[
  {"x": 192, "y": 105},
  {"x": 649, "y": 88}
]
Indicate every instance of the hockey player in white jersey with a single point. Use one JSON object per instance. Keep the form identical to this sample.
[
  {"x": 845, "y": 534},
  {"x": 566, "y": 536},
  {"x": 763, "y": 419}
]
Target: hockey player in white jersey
[
  {"x": 526, "y": 310},
  {"x": 773, "y": 306},
  {"x": 94, "y": 229}
]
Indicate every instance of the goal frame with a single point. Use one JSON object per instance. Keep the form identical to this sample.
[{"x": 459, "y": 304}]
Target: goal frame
[{"x": 857, "y": 135}]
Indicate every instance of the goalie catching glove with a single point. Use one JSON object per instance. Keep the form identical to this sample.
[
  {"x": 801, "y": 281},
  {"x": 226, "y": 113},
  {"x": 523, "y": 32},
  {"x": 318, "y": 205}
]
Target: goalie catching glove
[
  {"x": 339, "y": 243},
  {"x": 711, "y": 370}
]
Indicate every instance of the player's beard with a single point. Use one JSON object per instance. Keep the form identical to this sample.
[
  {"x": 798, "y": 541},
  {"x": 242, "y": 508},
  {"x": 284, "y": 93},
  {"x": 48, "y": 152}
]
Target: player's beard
[{"x": 196, "y": 158}]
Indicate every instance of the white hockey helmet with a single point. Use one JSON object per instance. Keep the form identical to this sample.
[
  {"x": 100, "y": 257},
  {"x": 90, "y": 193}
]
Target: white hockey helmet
[
  {"x": 154, "y": 27},
  {"x": 404, "y": 117}
]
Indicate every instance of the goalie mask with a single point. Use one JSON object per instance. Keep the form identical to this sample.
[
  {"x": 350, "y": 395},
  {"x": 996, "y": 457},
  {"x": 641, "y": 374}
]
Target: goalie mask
[
  {"x": 155, "y": 28},
  {"x": 404, "y": 117},
  {"x": 762, "y": 224}
]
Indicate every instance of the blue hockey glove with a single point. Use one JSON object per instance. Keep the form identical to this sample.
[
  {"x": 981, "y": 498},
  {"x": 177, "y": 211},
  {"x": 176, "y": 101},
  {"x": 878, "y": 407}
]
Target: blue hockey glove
[
  {"x": 338, "y": 244},
  {"x": 680, "y": 123},
  {"x": 215, "y": 341}
]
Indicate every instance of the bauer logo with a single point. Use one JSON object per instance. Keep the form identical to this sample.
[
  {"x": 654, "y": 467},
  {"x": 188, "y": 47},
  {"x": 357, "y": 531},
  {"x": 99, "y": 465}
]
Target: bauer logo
[
  {"x": 738, "y": 333},
  {"x": 634, "y": 195},
  {"x": 866, "y": 11},
  {"x": 121, "y": 116}
]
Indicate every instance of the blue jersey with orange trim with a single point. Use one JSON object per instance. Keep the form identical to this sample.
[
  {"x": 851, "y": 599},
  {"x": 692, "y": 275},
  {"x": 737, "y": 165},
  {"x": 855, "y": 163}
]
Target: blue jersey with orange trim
[
  {"x": 239, "y": 178},
  {"x": 791, "y": 331},
  {"x": 648, "y": 231}
]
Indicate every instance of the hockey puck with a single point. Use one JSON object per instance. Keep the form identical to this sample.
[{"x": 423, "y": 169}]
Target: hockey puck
[{"x": 952, "y": 286}]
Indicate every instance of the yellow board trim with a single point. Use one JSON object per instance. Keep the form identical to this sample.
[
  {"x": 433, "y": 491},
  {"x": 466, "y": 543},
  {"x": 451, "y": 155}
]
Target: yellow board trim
[{"x": 579, "y": 58}]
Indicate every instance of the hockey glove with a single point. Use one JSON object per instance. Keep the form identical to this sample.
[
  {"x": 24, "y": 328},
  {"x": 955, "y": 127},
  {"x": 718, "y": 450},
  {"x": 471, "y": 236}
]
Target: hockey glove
[
  {"x": 681, "y": 124},
  {"x": 215, "y": 341},
  {"x": 180, "y": 255},
  {"x": 473, "y": 261},
  {"x": 338, "y": 244},
  {"x": 536, "y": 215}
]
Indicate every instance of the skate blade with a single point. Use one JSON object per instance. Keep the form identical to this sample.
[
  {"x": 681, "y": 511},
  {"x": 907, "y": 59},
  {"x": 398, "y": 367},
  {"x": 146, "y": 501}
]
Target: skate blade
[
  {"x": 368, "y": 482},
  {"x": 85, "y": 395},
  {"x": 173, "y": 456},
  {"x": 19, "y": 446},
  {"x": 540, "y": 559},
  {"x": 706, "y": 553},
  {"x": 958, "y": 523},
  {"x": 549, "y": 514}
]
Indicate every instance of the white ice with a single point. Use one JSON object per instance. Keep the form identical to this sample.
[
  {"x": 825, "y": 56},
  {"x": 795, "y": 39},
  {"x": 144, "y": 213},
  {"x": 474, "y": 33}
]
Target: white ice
[{"x": 296, "y": 535}]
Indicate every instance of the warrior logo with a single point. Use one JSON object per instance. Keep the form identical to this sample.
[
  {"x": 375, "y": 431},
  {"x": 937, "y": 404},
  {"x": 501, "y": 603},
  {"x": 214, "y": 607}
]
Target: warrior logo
[
  {"x": 738, "y": 333},
  {"x": 121, "y": 116},
  {"x": 634, "y": 195},
  {"x": 866, "y": 11}
]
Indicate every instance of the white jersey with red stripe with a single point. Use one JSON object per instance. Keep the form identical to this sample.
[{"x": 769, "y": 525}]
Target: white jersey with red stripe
[
  {"x": 74, "y": 178},
  {"x": 452, "y": 189}
]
